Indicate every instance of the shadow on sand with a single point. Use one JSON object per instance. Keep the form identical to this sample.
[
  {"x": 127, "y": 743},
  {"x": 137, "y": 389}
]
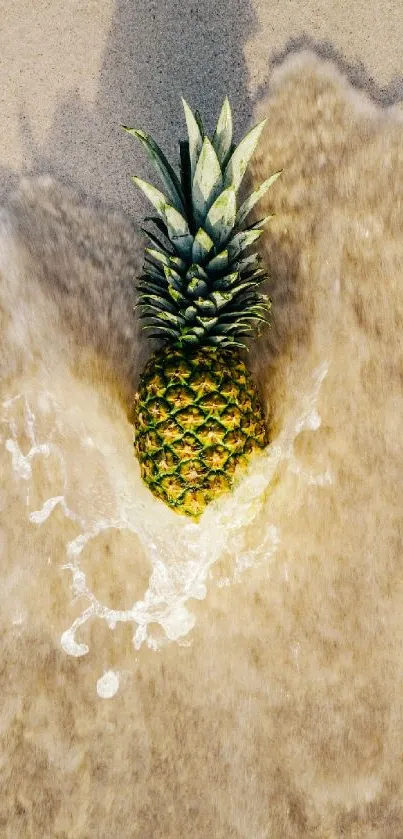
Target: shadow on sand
[{"x": 154, "y": 53}]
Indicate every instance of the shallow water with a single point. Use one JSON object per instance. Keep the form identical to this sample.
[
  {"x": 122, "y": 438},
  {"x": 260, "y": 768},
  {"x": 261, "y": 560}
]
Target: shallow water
[{"x": 180, "y": 554}]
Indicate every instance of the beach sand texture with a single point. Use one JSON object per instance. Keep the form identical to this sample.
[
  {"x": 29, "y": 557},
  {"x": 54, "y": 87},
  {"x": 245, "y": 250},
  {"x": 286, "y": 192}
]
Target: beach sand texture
[{"x": 269, "y": 702}]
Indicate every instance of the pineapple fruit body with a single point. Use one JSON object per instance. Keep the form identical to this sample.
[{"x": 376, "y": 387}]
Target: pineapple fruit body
[{"x": 198, "y": 417}]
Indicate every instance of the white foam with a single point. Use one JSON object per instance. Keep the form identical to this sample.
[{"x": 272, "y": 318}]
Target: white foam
[
  {"x": 181, "y": 553},
  {"x": 39, "y": 516},
  {"x": 108, "y": 684}
]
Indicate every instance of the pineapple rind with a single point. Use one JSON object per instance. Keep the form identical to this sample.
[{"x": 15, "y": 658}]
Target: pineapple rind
[{"x": 197, "y": 419}]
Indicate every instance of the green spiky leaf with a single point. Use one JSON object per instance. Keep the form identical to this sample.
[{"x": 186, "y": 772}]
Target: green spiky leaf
[
  {"x": 153, "y": 275},
  {"x": 176, "y": 223},
  {"x": 223, "y": 283},
  {"x": 195, "y": 137},
  {"x": 257, "y": 275},
  {"x": 183, "y": 245},
  {"x": 162, "y": 331},
  {"x": 250, "y": 306},
  {"x": 170, "y": 318},
  {"x": 190, "y": 313},
  {"x": 250, "y": 284},
  {"x": 224, "y": 341},
  {"x": 179, "y": 232},
  {"x": 163, "y": 167},
  {"x": 151, "y": 303},
  {"x": 241, "y": 241},
  {"x": 243, "y": 309},
  {"x": 177, "y": 226},
  {"x": 202, "y": 246},
  {"x": 145, "y": 282},
  {"x": 207, "y": 182},
  {"x": 250, "y": 202},
  {"x": 186, "y": 181},
  {"x": 221, "y": 216},
  {"x": 200, "y": 124},
  {"x": 249, "y": 263},
  {"x": 222, "y": 298},
  {"x": 157, "y": 198},
  {"x": 190, "y": 338},
  {"x": 206, "y": 306},
  {"x": 151, "y": 288},
  {"x": 192, "y": 330},
  {"x": 177, "y": 296},
  {"x": 159, "y": 223},
  {"x": 222, "y": 138},
  {"x": 215, "y": 339},
  {"x": 155, "y": 240},
  {"x": 196, "y": 288},
  {"x": 236, "y": 289},
  {"x": 196, "y": 270},
  {"x": 228, "y": 328},
  {"x": 173, "y": 278},
  {"x": 155, "y": 272},
  {"x": 237, "y": 314},
  {"x": 238, "y": 162},
  {"x": 259, "y": 223},
  {"x": 218, "y": 263},
  {"x": 177, "y": 263},
  {"x": 207, "y": 323},
  {"x": 250, "y": 299},
  {"x": 159, "y": 256}
]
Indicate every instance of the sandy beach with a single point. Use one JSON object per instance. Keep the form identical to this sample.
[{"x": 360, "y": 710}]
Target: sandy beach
[{"x": 241, "y": 678}]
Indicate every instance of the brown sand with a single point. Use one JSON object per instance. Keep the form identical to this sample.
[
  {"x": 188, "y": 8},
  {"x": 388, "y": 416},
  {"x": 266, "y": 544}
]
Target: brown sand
[{"x": 284, "y": 716}]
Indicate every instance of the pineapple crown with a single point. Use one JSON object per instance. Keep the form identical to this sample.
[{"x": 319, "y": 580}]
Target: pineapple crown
[{"x": 199, "y": 285}]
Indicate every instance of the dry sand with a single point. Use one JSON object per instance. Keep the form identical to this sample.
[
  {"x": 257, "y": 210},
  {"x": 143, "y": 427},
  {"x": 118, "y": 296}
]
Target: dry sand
[{"x": 71, "y": 73}]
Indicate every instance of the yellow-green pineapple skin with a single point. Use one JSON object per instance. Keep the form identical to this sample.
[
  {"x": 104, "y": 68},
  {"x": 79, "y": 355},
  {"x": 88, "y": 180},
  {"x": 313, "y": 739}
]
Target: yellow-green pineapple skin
[{"x": 197, "y": 418}]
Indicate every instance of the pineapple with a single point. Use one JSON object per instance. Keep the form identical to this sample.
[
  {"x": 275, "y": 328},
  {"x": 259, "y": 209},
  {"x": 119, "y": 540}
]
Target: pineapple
[{"x": 197, "y": 413}]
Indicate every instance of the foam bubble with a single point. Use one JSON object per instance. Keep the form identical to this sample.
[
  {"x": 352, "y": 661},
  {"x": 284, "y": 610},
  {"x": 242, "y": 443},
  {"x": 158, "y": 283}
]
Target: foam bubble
[{"x": 108, "y": 684}]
